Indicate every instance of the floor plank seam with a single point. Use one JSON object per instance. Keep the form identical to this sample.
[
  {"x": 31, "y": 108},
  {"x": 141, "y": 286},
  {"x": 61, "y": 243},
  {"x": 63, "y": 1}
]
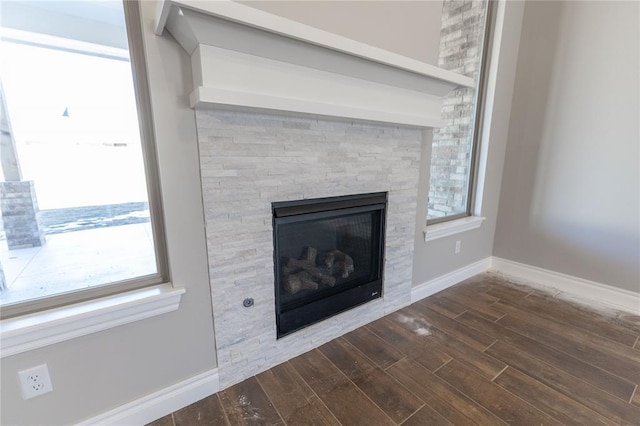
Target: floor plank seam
[
  {"x": 412, "y": 414},
  {"x": 367, "y": 357},
  {"x": 469, "y": 397},
  {"x": 314, "y": 392},
  {"x": 499, "y": 373},
  {"x": 633, "y": 394},
  {"x": 567, "y": 354},
  {"x": 390, "y": 376},
  {"x": 498, "y": 319},
  {"x": 358, "y": 387},
  {"x": 563, "y": 351},
  {"x": 456, "y": 316},
  {"x": 497, "y": 301},
  {"x": 582, "y": 404},
  {"x": 531, "y": 404},
  {"x": 515, "y": 308},
  {"x": 572, "y": 374},
  {"x": 225, "y": 410},
  {"x": 447, "y": 362},
  {"x": 403, "y": 358},
  {"x": 284, "y": 422},
  {"x": 489, "y": 347}
]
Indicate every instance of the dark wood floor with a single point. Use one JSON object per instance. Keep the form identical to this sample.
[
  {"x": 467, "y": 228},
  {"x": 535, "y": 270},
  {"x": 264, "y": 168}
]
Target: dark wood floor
[{"x": 482, "y": 352}]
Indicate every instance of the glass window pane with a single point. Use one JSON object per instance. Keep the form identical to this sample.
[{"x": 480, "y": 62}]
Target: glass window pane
[
  {"x": 73, "y": 196},
  {"x": 461, "y": 40}
]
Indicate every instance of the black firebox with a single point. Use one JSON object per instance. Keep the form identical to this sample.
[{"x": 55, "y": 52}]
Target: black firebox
[{"x": 328, "y": 256}]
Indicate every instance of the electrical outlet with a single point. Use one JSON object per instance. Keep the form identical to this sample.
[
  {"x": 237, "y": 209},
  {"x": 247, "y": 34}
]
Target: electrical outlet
[
  {"x": 458, "y": 247},
  {"x": 35, "y": 381}
]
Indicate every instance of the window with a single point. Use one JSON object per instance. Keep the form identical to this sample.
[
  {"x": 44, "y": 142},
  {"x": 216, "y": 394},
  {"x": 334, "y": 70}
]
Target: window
[
  {"x": 79, "y": 199},
  {"x": 463, "y": 49}
]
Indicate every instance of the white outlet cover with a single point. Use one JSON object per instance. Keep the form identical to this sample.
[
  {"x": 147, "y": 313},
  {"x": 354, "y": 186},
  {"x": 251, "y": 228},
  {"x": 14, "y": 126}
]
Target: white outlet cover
[{"x": 35, "y": 381}]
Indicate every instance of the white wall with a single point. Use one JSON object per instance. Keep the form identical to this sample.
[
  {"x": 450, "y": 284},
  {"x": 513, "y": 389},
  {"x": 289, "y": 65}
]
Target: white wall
[
  {"x": 571, "y": 193},
  {"x": 410, "y": 28},
  {"x": 101, "y": 371}
]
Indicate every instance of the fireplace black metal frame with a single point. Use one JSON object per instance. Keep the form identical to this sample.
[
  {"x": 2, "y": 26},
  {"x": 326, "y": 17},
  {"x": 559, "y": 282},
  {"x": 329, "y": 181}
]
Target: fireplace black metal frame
[{"x": 292, "y": 317}]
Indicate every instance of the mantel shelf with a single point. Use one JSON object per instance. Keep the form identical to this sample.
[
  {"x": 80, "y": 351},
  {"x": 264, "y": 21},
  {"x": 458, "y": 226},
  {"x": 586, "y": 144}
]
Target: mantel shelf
[{"x": 243, "y": 57}]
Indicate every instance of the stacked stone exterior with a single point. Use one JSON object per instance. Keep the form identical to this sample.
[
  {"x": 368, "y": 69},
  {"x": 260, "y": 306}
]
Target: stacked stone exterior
[
  {"x": 461, "y": 38},
  {"x": 250, "y": 160},
  {"x": 3, "y": 280},
  {"x": 20, "y": 215}
]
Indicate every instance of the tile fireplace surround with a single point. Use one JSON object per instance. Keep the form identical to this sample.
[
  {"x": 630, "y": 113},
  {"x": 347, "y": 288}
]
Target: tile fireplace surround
[
  {"x": 287, "y": 112},
  {"x": 250, "y": 160}
]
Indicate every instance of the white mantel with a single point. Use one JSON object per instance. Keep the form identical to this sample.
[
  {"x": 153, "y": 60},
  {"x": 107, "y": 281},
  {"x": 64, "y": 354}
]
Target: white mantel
[{"x": 245, "y": 58}]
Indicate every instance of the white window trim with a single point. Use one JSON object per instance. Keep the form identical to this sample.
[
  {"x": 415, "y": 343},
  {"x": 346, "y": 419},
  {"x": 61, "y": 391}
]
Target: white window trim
[
  {"x": 28, "y": 332},
  {"x": 451, "y": 227}
]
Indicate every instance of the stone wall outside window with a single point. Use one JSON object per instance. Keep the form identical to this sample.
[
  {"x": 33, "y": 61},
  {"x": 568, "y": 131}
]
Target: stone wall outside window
[{"x": 461, "y": 38}]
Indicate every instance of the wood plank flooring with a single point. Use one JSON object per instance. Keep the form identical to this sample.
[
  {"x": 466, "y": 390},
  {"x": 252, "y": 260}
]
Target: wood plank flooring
[{"x": 484, "y": 352}]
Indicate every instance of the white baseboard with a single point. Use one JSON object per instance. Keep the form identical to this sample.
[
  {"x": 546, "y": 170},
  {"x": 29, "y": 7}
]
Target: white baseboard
[
  {"x": 578, "y": 289},
  {"x": 158, "y": 404},
  {"x": 447, "y": 280}
]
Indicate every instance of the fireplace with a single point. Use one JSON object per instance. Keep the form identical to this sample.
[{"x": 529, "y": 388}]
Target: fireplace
[
  {"x": 249, "y": 160},
  {"x": 282, "y": 138},
  {"x": 328, "y": 256}
]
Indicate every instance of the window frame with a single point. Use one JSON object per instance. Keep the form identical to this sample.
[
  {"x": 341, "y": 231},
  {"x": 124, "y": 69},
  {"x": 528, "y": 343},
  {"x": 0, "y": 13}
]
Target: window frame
[
  {"x": 133, "y": 26},
  {"x": 478, "y": 117}
]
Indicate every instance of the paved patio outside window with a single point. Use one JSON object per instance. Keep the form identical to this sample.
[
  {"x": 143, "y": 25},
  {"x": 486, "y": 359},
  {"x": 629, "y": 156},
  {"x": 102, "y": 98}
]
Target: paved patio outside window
[{"x": 77, "y": 260}]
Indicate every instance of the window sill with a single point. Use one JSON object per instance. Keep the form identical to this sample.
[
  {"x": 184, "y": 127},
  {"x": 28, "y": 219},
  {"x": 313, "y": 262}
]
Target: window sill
[
  {"x": 444, "y": 229},
  {"x": 28, "y": 332}
]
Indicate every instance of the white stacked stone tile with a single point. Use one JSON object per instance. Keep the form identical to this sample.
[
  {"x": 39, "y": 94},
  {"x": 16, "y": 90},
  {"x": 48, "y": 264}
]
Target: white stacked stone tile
[
  {"x": 460, "y": 50},
  {"x": 249, "y": 160}
]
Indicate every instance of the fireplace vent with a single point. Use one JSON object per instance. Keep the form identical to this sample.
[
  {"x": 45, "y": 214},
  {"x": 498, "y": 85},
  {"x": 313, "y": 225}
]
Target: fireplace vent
[{"x": 328, "y": 257}]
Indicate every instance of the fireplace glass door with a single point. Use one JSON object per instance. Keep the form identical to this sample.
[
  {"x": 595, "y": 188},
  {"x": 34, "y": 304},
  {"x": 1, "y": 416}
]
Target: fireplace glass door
[{"x": 328, "y": 257}]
